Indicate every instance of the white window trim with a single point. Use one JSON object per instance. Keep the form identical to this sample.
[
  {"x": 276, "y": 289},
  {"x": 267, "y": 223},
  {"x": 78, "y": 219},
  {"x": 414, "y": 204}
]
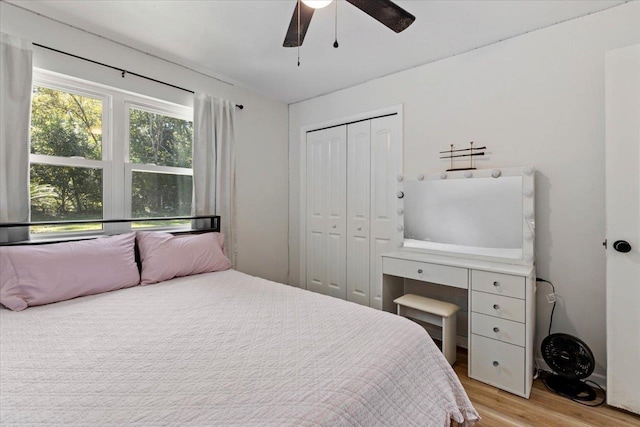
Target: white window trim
[{"x": 117, "y": 170}]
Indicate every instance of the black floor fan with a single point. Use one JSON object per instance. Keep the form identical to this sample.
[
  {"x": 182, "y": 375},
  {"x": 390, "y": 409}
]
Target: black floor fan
[{"x": 572, "y": 361}]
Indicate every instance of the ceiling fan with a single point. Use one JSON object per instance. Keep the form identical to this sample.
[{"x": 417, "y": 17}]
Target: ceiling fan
[{"x": 384, "y": 11}]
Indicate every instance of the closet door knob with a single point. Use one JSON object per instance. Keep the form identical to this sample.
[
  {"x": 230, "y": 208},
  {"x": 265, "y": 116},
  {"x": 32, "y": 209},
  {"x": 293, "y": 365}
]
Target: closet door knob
[
  {"x": 495, "y": 363},
  {"x": 419, "y": 271},
  {"x": 496, "y": 307},
  {"x": 496, "y": 329}
]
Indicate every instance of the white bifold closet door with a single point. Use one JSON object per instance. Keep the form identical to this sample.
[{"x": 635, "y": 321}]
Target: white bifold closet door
[
  {"x": 326, "y": 211},
  {"x": 351, "y": 207},
  {"x": 358, "y": 211},
  {"x": 386, "y": 165}
]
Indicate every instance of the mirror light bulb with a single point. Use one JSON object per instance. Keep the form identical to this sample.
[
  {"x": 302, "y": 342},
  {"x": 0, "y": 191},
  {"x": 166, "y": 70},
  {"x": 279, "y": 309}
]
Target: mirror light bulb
[{"x": 317, "y": 4}]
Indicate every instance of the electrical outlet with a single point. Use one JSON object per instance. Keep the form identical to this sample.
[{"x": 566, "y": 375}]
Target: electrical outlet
[{"x": 551, "y": 298}]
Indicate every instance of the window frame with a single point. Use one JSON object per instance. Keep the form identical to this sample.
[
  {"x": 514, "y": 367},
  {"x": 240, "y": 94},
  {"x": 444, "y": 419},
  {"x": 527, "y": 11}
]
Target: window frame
[{"x": 117, "y": 170}]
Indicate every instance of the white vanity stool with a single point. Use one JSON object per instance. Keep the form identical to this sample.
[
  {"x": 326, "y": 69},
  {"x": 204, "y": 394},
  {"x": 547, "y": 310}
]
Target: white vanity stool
[{"x": 434, "y": 312}]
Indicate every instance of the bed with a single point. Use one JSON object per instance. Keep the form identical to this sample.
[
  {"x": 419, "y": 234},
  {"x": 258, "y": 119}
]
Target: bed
[{"x": 222, "y": 348}]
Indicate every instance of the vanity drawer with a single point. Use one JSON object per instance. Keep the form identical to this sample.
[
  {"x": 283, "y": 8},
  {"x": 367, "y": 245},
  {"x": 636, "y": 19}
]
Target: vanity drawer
[
  {"x": 499, "y": 284},
  {"x": 498, "y": 306},
  {"x": 434, "y": 273},
  {"x": 498, "y": 364},
  {"x": 498, "y": 329}
]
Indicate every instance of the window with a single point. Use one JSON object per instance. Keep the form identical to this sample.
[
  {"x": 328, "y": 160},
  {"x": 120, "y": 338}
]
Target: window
[
  {"x": 67, "y": 166},
  {"x": 159, "y": 171},
  {"x": 79, "y": 170}
]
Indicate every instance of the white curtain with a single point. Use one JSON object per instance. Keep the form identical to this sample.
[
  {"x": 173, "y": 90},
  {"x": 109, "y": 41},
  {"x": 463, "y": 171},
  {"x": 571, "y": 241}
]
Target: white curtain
[
  {"x": 214, "y": 164},
  {"x": 16, "y": 72}
]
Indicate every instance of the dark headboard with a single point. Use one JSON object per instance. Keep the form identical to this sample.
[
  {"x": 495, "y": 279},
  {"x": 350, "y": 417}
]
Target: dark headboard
[{"x": 213, "y": 226}]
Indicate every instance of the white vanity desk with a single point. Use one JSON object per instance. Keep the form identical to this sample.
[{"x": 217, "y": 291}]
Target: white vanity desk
[{"x": 501, "y": 311}]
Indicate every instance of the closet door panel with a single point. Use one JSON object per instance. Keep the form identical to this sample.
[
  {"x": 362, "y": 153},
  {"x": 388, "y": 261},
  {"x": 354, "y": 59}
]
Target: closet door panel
[
  {"x": 326, "y": 211},
  {"x": 386, "y": 164},
  {"x": 315, "y": 262},
  {"x": 358, "y": 211},
  {"x": 316, "y": 170},
  {"x": 336, "y": 195},
  {"x": 336, "y": 177},
  {"x": 336, "y": 266}
]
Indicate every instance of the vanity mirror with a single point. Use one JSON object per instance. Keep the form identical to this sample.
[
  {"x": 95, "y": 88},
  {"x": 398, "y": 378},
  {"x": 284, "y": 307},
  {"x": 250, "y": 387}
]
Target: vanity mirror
[{"x": 483, "y": 214}]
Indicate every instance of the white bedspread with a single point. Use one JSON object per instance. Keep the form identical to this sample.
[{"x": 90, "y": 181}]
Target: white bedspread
[{"x": 222, "y": 349}]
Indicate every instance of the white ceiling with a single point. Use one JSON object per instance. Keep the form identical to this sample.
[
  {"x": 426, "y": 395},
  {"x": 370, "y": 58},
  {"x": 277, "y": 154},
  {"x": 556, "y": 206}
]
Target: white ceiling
[{"x": 241, "y": 41}]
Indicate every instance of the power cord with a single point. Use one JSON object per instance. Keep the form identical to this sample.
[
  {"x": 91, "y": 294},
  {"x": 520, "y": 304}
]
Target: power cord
[
  {"x": 553, "y": 309},
  {"x": 604, "y": 393}
]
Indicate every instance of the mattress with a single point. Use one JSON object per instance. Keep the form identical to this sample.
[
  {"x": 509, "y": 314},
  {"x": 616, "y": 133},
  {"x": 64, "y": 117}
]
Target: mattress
[{"x": 222, "y": 348}]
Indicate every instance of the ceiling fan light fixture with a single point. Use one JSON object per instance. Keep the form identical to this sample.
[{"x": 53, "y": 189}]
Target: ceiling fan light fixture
[{"x": 317, "y": 4}]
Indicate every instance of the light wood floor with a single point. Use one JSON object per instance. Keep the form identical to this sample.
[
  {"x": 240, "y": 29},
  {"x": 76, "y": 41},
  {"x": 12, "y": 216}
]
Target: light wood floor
[{"x": 544, "y": 408}]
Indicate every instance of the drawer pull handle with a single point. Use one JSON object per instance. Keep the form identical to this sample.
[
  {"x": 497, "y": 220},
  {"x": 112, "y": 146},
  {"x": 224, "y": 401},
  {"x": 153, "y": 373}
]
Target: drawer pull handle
[
  {"x": 495, "y": 363},
  {"x": 334, "y": 226},
  {"x": 496, "y": 284},
  {"x": 496, "y": 329},
  {"x": 419, "y": 271},
  {"x": 496, "y": 307}
]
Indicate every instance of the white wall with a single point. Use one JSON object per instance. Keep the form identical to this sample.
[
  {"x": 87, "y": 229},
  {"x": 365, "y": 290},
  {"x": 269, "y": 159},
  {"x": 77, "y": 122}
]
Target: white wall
[
  {"x": 537, "y": 99},
  {"x": 261, "y": 128}
]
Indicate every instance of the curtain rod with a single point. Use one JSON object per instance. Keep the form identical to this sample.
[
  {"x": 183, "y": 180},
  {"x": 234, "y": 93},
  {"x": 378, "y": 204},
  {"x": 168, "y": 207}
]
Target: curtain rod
[{"x": 122, "y": 70}]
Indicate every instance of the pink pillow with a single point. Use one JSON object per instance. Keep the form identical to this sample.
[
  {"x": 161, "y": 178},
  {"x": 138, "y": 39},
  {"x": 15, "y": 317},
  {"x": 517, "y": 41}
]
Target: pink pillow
[
  {"x": 165, "y": 256},
  {"x": 42, "y": 274}
]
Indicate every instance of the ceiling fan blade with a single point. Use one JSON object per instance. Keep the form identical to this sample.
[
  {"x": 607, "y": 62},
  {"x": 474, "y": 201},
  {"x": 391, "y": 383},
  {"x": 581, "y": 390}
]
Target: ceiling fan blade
[
  {"x": 306, "y": 12},
  {"x": 385, "y": 12}
]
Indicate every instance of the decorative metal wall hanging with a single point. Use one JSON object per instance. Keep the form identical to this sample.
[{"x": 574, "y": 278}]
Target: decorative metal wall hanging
[{"x": 470, "y": 152}]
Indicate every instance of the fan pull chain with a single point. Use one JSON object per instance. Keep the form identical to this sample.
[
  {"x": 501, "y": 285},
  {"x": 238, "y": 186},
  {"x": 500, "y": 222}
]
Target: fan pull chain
[
  {"x": 335, "y": 43},
  {"x": 299, "y": 5}
]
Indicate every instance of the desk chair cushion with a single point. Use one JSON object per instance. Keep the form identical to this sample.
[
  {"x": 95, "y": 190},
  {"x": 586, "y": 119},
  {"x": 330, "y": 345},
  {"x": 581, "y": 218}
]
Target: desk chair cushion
[{"x": 428, "y": 305}]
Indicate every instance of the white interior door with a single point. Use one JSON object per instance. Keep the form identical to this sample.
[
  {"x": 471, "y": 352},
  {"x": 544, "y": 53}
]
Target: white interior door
[
  {"x": 386, "y": 165},
  {"x": 326, "y": 211},
  {"x": 358, "y": 211},
  {"x": 623, "y": 224}
]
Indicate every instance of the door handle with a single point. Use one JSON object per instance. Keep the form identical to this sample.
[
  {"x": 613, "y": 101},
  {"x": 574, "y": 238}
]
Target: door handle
[{"x": 622, "y": 246}]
